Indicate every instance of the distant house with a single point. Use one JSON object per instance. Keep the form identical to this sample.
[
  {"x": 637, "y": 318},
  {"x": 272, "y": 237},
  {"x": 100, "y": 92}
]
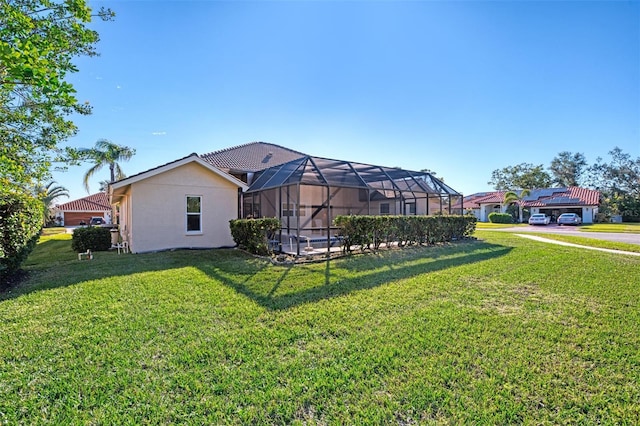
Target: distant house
[
  {"x": 189, "y": 202},
  {"x": 550, "y": 201},
  {"x": 80, "y": 211}
]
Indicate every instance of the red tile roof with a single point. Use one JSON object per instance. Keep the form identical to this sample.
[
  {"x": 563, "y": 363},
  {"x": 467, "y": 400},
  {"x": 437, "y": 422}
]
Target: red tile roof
[
  {"x": 251, "y": 157},
  {"x": 93, "y": 203},
  {"x": 547, "y": 197}
]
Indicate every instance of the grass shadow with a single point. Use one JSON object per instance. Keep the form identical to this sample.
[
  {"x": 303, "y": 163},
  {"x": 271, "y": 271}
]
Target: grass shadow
[
  {"x": 53, "y": 265},
  {"x": 313, "y": 283}
]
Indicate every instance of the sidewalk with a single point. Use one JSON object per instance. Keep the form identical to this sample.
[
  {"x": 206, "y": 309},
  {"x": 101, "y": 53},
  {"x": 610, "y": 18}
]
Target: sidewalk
[{"x": 562, "y": 243}]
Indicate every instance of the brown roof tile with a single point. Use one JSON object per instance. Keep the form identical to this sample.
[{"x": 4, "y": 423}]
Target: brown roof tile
[
  {"x": 96, "y": 203},
  {"x": 251, "y": 157},
  {"x": 547, "y": 197}
]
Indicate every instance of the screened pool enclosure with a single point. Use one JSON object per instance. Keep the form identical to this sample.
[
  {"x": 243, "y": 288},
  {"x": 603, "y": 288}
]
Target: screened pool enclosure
[{"x": 306, "y": 194}]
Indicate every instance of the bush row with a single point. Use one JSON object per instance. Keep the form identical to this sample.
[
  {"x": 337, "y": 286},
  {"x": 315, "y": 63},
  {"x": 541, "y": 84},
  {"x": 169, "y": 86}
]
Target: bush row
[
  {"x": 94, "y": 238},
  {"x": 369, "y": 232},
  {"x": 253, "y": 235},
  {"x": 496, "y": 217},
  {"x": 20, "y": 226}
]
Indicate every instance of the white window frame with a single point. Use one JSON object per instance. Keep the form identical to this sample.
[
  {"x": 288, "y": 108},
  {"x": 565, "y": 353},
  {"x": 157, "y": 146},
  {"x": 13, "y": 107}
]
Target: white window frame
[
  {"x": 187, "y": 214},
  {"x": 388, "y": 208}
]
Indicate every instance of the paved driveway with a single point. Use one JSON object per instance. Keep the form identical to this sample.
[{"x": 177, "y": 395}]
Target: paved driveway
[{"x": 575, "y": 231}]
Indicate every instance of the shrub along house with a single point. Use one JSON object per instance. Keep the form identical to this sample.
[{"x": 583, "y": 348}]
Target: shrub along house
[
  {"x": 550, "y": 201},
  {"x": 159, "y": 208}
]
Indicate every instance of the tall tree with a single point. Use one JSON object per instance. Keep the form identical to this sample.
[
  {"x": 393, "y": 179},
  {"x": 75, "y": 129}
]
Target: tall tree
[
  {"x": 567, "y": 168},
  {"x": 520, "y": 176},
  {"x": 619, "y": 182},
  {"x": 38, "y": 41},
  {"x": 106, "y": 153},
  {"x": 517, "y": 198}
]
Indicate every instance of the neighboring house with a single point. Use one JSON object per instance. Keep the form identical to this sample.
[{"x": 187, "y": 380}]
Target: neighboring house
[
  {"x": 189, "y": 202},
  {"x": 77, "y": 212},
  {"x": 550, "y": 201}
]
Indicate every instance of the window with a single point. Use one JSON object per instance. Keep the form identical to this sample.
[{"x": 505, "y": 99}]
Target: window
[
  {"x": 194, "y": 214},
  {"x": 411, "y": 208},
  {"x": 384, "y": 208},
  {"x": 290, "y": 210}
]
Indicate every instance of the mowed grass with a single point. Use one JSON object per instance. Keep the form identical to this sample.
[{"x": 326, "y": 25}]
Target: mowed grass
[
  {"x": 592, "y": 242},
  {"x": 633, "y": 228},
  {"x": 501, "y": 330}
]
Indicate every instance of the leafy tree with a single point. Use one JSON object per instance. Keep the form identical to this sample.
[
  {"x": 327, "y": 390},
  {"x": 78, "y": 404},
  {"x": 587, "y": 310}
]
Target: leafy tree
[
  {"x": 567, "y": 168},
  {"x": 48, "y": 194},
  {"x": 619, "y": 183},
  {"x": 517, "y": 199},
  {"x": 106, "y": 153},
  {"x": 521, "y": 176},
  {"x": 38, "y": 41}
]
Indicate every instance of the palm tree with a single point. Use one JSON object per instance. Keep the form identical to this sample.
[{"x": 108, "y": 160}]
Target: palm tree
[
  {"x": 48, "y": 194},
  {"x": 104, "y": 186},
  {"x": 517, "y": 198},
  {"x": 106, "y": 153}
]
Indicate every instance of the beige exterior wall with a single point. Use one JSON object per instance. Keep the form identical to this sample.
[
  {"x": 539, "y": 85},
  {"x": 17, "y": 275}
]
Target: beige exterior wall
[{"x": 153, "y": 214}]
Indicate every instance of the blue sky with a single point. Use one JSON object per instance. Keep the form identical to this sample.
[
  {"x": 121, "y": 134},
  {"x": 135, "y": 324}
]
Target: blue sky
[{"x": 461, "y": 88}]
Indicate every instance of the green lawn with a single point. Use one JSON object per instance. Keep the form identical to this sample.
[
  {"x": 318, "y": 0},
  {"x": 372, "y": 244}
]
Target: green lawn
[
  {"x": 612, "y": 227},
  {"x": 502, "y": 330}
]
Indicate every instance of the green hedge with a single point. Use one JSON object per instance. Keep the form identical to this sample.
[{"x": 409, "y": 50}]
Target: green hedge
[
  {"x": 253, "y": 235},
  {"x": 20, "y": 226},
  {"x": 94, "y": 238},
  {"x": 369, "y": 232},
  {"x": 500, "y": 218}
]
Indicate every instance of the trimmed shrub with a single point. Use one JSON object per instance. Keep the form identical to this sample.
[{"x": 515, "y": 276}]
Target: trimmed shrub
[
  {"x": 253, "y": 235},
  {"x": 500, "y": 218},
  {"x": 94, "y": 238},
  {"x": 368, "y": 232},
  {"x": 20, "y": 226}
]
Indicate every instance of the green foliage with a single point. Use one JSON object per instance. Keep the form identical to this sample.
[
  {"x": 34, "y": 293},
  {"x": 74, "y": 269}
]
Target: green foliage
[
  {"x": 567, "y": 168},
  {"x": 48, "y": 194},
  {"x": 369, "y": 232},
  {"x": 520, "y": 176},
  {"x": 39, "y": 40},
  {"x": 20, "y": 225},
  {"x": 496, "y": 217},
  {"x": 106, "y": 153},
  {"x": 253, "y": 235},
  {"x": 94, "y": 238}
]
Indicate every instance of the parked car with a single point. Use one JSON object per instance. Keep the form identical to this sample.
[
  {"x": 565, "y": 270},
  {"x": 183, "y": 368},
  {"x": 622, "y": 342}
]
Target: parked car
[
  {"x": 539, "y": 219},
  {"x": 97, "y": 221},
  {"x": 569, "y": 219}
]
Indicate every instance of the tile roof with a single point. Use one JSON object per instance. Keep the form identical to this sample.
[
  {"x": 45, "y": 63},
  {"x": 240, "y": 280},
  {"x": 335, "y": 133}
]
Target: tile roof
[
  {"x": 93, "y": 203},
  {"x": 251, "y": 157},
  {"x": 565, "y": 196},
  {"x": 545, "y": 197}
]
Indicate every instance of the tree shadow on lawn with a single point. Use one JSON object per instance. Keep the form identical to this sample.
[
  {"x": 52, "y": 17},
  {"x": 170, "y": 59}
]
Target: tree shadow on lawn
[
  {"x": 273, "y": 287},
  {"x": 54, "y": 265},
  {"x": 298, "y": 284}
]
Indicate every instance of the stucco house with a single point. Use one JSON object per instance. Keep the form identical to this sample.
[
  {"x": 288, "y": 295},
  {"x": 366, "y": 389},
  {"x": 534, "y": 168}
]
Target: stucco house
[
  {"x": 188, "y": 203},
  {"x": 80, "y": 211},
  {"x": 183, "y": 204},
  {"x": 550, "y": 201}
]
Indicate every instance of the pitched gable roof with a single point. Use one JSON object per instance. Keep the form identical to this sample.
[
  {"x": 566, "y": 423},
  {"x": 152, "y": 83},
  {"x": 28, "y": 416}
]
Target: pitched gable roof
[
  {"x": 546, "y": 197},
  {"x": 251, "y": 157},
  {"x": 118, "y": 187},
  {"x": 96, "y": 202}
]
